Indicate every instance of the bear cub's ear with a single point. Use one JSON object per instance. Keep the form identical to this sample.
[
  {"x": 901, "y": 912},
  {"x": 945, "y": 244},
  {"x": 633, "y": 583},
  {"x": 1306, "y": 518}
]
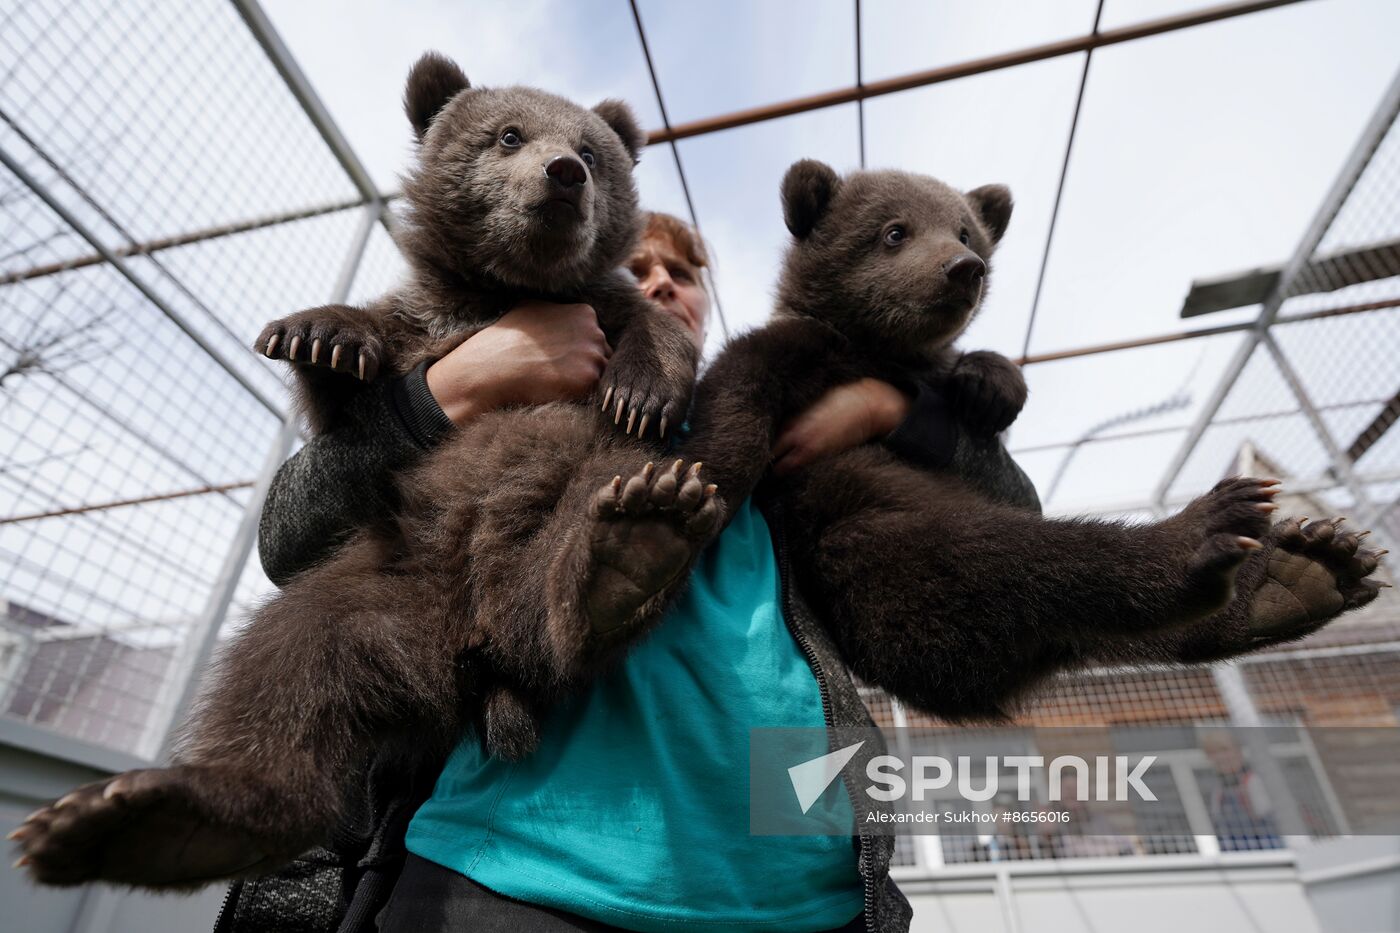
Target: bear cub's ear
[
  {"x": 808, "y": 189},
  {"x": 623, "y": 121},
  {"x": 993, "y": 206},
  {"x": 434, "y": 80}
]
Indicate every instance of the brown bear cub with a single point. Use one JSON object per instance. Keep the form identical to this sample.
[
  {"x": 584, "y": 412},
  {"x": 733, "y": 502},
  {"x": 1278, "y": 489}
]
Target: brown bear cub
[
  {"x": 434, "y": 625},
  {"x": 951, "y": 596}
]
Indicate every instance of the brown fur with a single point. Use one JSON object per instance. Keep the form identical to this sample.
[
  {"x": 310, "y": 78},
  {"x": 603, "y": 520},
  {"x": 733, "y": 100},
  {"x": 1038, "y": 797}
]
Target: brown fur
[{"x": 432, "y": 624}]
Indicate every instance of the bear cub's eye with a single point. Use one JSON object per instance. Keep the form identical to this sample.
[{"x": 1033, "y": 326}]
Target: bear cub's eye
[
  {"x": 587, "y": 155},
  {"x": 966, "y": 240},
  {"x": 511, "y": 139},
  {"x": 895, "y": 235}
]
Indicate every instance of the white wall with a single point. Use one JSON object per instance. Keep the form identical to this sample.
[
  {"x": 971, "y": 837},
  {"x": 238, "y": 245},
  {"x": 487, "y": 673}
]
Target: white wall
[
  {"x": 1354, "y": 884},
  {"x": 1207, "y": 897}
]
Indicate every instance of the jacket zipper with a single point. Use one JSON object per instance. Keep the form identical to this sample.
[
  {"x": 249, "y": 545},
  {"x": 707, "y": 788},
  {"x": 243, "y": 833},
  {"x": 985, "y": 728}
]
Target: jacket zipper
[
  {"x": 803, "y": 642},
  {"x": 223, "y": 907}
]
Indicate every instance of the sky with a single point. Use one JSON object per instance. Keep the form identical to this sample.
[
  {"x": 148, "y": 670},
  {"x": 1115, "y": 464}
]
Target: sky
[{"x": 1198, "y": 153}]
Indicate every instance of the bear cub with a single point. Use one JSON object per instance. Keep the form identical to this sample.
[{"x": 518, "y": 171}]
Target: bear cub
[
  {"x": 431, "y": 625},
  {"x": 955, "y": 597}
]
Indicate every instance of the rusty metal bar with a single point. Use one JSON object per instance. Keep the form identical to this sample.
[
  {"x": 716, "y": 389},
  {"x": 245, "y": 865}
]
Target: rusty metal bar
[
  {"x": 966, "y": 69},
  {"x": 139, "y": 283},
  {"x": 184, "y": 239},
  {"x": 118, "y": 503},
  {"x": 1201, "y": 332},
  {"x": 1374, "y": 431}
]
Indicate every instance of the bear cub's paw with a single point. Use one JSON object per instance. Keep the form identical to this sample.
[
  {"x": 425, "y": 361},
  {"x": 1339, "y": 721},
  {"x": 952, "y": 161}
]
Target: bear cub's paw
[
  {"x": 645, "y": 532},
  {"x": 141, "y": 827},
  {"x": 1314, "y": 572},
  {"x": 986, "y": 391},
  {"x": 1218, "y": 531},
  {"x": 325, "y": 338}
]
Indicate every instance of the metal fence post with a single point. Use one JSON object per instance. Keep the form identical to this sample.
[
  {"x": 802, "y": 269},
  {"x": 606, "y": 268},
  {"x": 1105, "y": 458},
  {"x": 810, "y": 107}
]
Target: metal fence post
[
  {"x": 205, "y": 633},
  {"x": 1341, "y": 463},
  {"x": 1244, "y": 714}
]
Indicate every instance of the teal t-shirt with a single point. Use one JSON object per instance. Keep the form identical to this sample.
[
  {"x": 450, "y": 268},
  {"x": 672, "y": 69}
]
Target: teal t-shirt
[{"x": 635, "y": 809}]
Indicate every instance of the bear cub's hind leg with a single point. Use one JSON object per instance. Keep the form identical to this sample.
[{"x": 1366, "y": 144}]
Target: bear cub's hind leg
[
  {"x": 616, "y": 571},
  {"x": 152, "y": 828},
  {"x": 1306, "y": 575}
]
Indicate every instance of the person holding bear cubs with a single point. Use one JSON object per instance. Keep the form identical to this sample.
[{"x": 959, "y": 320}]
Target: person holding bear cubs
[
  {"x": 646, "y": 744},
  {"x": 722, "y": 660}
]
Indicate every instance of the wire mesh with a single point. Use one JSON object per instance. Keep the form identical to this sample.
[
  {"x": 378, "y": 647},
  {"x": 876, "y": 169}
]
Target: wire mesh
[{"x": 135, "y": 418}]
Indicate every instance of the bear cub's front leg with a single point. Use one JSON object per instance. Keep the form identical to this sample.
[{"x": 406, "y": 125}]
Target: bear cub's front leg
[
  {"x": 335, "y": 350},
  {"x": 336, "y": 338},
  {"x": 651, "y": 374},
  {"x": 986, "y": 391}
]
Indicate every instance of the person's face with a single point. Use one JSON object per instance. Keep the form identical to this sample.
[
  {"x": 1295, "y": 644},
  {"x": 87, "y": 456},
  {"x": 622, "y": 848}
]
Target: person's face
[
  {"x": 1223, "y": 753},
  {"x": 673, "y": 284}
]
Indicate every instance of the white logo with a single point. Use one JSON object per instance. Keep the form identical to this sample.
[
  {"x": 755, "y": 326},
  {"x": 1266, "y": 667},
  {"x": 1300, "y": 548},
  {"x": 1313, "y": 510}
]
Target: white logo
[{"x": 811, "y": 778}]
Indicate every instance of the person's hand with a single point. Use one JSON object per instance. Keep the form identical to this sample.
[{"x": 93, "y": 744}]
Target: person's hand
[
  {"x": 845, "y": 417},
  {"x": 538, "y": 352}
]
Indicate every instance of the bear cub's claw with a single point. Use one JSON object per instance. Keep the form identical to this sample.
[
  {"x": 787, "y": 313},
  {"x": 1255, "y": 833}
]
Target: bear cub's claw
[
  {"x": 328, "y": 342},
  {"x": 640, "y": 410},
  {"x": 141, "y": 827}
]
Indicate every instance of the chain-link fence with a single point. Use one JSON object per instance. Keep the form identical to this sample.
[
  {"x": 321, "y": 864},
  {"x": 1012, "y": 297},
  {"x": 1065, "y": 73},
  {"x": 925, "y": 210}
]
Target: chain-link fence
[{"x": 154, "y": 220}]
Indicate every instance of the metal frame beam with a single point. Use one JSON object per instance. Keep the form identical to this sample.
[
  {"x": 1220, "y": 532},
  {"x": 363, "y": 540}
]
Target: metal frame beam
[
  {"x": 1115, "y": 346},
  {"x": 149, "y": 247},
  {"x": 1337, "y": 270},
  {"x": 121, "y": 503},
  {"x": 281, "y": 58}
]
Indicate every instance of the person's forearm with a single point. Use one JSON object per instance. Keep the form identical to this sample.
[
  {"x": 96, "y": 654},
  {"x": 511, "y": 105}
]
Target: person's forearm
[
  {"x": 930, "y": 437},
  {"x": 342, "y": 480}
]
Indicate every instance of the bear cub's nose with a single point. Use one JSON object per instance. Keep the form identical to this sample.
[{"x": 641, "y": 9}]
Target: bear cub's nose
[
  {"x": 967, "y": 270},
  {"x": 567, "y": 173}
]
